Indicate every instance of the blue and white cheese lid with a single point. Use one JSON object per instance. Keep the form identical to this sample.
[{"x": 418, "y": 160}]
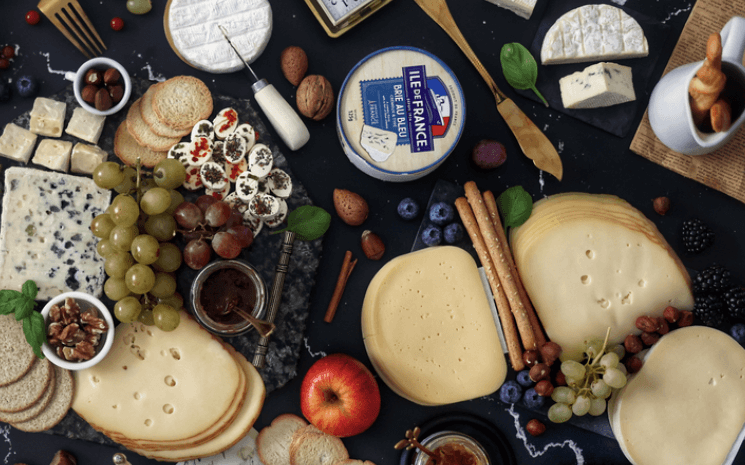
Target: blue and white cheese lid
[{"x": 400, "y": 113}]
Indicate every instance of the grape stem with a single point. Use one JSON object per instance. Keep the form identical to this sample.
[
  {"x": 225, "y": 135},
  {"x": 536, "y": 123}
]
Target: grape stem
[{"x": 592, "y": 368}]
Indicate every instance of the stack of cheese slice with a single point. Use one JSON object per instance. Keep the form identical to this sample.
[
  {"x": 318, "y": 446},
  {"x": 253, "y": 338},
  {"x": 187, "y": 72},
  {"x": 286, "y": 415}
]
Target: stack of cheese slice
[
  {"x": 429, "y": 330},
  {"x": 687, "y": 404},
  {"x": 171, "y": 396},
  {"x": 592, "y": 262}
]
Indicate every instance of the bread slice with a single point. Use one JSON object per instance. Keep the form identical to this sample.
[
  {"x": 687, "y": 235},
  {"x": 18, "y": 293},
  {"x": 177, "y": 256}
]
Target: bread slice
[
  {"x": 182, "y": 101},
  {"x": 151, "y": 119},
  {"x": 35, "y": 409},
  {"x": 55, "y": 411},
  {"x": 354, "y": 462},
  {"x": 142, "y": 133},
  {"x": 16, "y": 356},
  {"x": 128, "y": 150},
  {"x": 273, "y": 441},
  {"x": 25, "y": 392},
  {"x": 312, "y": 448}
]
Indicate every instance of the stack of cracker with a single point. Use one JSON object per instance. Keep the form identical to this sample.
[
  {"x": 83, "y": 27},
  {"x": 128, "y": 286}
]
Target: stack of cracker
[
  {"x": 34, "y": 394},
  {"x": 160, "y": 118},
  {"x": 171, "y": 396}
]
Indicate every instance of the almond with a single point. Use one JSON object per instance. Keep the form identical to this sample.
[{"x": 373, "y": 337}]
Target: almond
[
  {"x": 294, "y": 64},
  {"x": 89, "y": 93},
  {"x": 103, "y": 100},
  {"x": 351, "y": 207}
]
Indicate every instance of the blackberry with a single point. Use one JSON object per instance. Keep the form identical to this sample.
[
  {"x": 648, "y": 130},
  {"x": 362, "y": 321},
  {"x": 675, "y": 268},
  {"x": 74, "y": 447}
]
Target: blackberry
[
  {"x": 734, "y": 300},
  {"x": 709, "y": 309},
  {"x": 713, "y": 279},
  {"x": 697, "y": 236}
]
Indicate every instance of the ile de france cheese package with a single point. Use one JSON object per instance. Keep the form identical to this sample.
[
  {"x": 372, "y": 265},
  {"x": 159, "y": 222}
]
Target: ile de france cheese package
[{"x": 400, "y": 113}]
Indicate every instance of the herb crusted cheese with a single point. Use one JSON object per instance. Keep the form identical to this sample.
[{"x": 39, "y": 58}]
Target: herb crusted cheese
[{"x": 45, "y": 232}]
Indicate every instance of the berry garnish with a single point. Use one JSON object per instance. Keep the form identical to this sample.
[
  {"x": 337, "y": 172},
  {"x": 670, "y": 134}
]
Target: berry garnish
[
  {"x": 510, "y": 392},
  {"x": 523, "y": 378},
  {"x": 734, "y": 299},
  {"x": 432, "y": 235},
  {"x": 4, "y": 63},
  {"x": 697, "y": 236},
  {"x": 408, "y": 209},
  {"x": 117, "y": 23},
  {"x": 709, "y": 309},
  {"x": 737, "y": 331},
  {"x": 715, "y": 278},
  {"x": 441, "y": 213},
  {"x": 26, "y": 86},
  {"x": 532, "y": 399},
  {"x": 453, "y": 233},
  {"x": 9, "y": 52},
  {"x": 33, "y": 17}
]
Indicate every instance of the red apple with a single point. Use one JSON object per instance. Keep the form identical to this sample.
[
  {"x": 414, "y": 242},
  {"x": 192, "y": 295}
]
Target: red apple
[{"x": 340, "y": 396}]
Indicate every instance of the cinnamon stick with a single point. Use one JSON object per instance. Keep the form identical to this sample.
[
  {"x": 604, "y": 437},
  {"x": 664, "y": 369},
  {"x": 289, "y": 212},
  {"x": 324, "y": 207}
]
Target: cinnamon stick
[
  {"x": 497, "y": 254},
  {"x": 491, "y": 207},
  {"x": 503, "y": 307},
  {"x": 341, "y": 282}
]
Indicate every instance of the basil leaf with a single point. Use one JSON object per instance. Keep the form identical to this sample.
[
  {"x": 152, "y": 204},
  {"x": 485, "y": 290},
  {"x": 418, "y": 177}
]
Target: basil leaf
[
  {"x": 307, "y": 222},
  {"x": 30, "y": 289},
  {"x": 6, "y": 307},
  {"x": 33, "y": 329},
  {"x": 516, "y": 205},
  {"x": 520, "y": 68},
  {"x": 24, "y": 308}
]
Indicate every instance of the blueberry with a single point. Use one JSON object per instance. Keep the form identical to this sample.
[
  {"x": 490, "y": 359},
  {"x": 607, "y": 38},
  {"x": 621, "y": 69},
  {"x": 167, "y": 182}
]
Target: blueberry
[
  {"x": 432, "y": 235},
  {"x": 453, "y": 233},
  {"x": 531, "y": 399},
  {"x": 510, "y": 392},
  {"x": 27, "y": 86},
  {"x": 4, "y": 91},
  {"x": 441, "y": 213},
  {"x": 523, "y": 378},
  {"x": 737, "y": 332},
  {"x": 408, "y": 209}
]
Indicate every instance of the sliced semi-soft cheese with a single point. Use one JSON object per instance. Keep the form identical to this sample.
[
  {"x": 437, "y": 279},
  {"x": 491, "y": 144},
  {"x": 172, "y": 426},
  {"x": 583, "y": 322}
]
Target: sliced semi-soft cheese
[
  {"x": 592, "y": 262},
  {"x": 428, "y": 328},
  {"x": 522, "y": 8},
  {"x": 17, "y": 143},
  {"x": 85, "y": 125},
  {"x": 687, "y": 403},
  {"x": 593, "y": 32},
  {"x": 53, "y": 154},
  {"x": 47, "y": 117},
  {"x": 599, "y": 85}
]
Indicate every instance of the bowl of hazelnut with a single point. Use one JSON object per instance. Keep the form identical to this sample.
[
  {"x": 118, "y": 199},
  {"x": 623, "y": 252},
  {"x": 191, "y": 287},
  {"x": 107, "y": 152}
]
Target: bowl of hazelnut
[
  {"x": 79, "y": 329},
  {"x": 101, "y": 85}
]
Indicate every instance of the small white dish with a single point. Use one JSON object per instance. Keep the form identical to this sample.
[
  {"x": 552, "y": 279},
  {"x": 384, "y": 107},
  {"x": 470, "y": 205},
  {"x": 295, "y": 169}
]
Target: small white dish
[
  {"x": 85, "y": 301},
  {"x": 102, "y": 64}
]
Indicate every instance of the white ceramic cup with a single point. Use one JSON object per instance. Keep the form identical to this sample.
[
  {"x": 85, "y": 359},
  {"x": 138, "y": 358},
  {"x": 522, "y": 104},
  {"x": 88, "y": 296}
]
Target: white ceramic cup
[{"x": 102, "y": 64}]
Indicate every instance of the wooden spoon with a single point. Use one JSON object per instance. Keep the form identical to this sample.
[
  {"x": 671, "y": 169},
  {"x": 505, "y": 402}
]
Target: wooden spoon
[{"x": 532, "y": 141}]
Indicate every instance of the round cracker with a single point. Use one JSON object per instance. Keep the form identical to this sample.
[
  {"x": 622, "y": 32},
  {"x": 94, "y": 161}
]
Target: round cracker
[
  {"x": 182, "y": 101},
  {"x": 55, "y": 411},
  {"x": 34, "y": 410},
  {"x": 16, "y": 356},
  {"x": 26, "y": 391}
]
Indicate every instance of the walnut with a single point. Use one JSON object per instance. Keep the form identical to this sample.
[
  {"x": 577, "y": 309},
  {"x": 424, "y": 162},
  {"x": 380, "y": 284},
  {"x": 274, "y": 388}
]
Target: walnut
[
  {"x": 315, "y": 97},
  {"x": 93, "y": 324},
  {"x": 54, "y": 329},
  {"x": 75, "y": 334},
  {"x": 69, "y": 334},
  {"x": 70, "y": 314},
  {"x": 92, "y": 338},
  {"x": 55, "y": 314}
]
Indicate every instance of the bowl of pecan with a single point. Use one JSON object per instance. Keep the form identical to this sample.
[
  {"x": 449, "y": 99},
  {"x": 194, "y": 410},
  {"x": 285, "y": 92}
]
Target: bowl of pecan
[{"x": 79, "y": 328}]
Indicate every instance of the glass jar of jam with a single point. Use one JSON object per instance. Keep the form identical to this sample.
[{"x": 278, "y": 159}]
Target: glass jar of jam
[{"x": 457, "y": 449}]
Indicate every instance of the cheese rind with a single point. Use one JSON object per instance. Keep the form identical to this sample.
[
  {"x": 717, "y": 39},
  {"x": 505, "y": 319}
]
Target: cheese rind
[
  {"x": 599, "y": 85},
  {"x": 429, "y": 330},
  {"x": 593, "y": 32},
  {"x": 17, "y": 143},
  {"x": 53, "y": 154},
  {"x": 522, "y": 8},
  {"x": 47, "y": 117},
  {"x": 85, "y": 125},
  {"x": 85, "y": 158}
]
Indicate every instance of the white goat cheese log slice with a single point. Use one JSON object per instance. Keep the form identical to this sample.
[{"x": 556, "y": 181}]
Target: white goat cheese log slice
[
  {"x": 686, "y": 404},
  {"x": 591, "y": 33},
  {"x": 522, "y": 8},
  {"x": 599, "y": 85},
  {"x": 45, "y": 232},
  {"x": 17, "y": 143},
  {"x": 591, "y": 262}
]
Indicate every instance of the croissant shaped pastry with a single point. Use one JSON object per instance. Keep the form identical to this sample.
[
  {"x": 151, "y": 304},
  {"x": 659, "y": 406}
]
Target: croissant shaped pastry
[{"x": 706, "y": 86}]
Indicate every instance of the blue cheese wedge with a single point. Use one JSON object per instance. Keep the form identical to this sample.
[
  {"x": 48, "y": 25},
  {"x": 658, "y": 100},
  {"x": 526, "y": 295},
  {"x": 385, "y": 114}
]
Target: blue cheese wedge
[
  {"x": 17, "y": 143},
  {"x": 53, "y": 154},
  {"x": 378, "y": 143},
  {"x": 85, "y": 158},
  {"x": 522, "y": 8},
  {"x": 47, "y": 117},
  {"x": 599, "y": 85},
  {"x": 85, "y": 125},
  {"x": 45, "y": 232}
]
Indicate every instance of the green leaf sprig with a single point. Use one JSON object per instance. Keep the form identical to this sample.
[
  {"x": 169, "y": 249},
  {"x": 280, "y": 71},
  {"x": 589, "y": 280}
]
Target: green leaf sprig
[
  {"x": 22, "y": 304},
  {"x": 515, "y": 205},
  {"x": 519, "y": 68},
  {"x": 307, "y": 222}
]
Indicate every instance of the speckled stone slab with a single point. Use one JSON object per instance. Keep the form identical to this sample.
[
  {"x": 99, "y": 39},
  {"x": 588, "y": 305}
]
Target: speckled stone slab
[{"x": 285, "y": 342}]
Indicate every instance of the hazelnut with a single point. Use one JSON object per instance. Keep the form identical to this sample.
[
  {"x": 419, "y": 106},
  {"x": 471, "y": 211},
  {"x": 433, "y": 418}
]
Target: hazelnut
[
  {"x": 560, "y": 378},
  {"x": 530, "y": 357},
  {"x": 538, "y": 372},
  {"x": 649, "y": 339},
  {"x": 315, "y": 97},
  {"x": 544, "y": 388},
  {"x": 647, "y": 324},
  {"x": 550, "y": 352},
  {"x": 671, "y": 314},
  {"x": 633, "y": 364},
  {"x": 686, "y": 319},
  {"x": 664, "y": 327},
  {"x": 116, "y": 92},
  {"x": 89, "y": 93},
  {"x": 294, "y": 64},
  {"x": 372, "y": 245},
  {"x": 111, "y": 76},
  {"x": 535, "y": 427},
  {"x": 103, "y": 100},
  {"x": 93, "y": 76},
  {"x": 661, "y": 205},
  {"x": 62, "y": 457},
  {"x": 633, "y": 344}
]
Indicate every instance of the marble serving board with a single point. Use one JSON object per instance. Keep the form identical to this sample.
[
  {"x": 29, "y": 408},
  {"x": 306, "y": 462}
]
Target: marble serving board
[{"x": 263, "y": 254}]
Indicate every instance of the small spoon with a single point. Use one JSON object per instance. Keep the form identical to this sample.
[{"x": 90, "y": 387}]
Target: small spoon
[{"x": 264, "y": 328}]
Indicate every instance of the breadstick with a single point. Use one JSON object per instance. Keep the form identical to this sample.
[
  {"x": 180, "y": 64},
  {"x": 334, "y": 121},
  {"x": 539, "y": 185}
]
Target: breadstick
[
  {"x": 491, "y": 207},
  {"x": 503, "y": 306},
  {"x": 721, "y": 116},
  {"x": 500, "y": 264},
  {"x": 709, "y": 81}
]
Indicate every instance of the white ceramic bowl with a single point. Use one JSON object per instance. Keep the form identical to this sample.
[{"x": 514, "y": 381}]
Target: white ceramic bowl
[
  {"x": 102, "y": 64},
  {"x": 84, "y": 301}
]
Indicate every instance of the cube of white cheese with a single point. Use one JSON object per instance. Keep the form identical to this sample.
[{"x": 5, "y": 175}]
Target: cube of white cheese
[
  {"x": 47, "y": 117},
  {"x": 522, "y": 8},
  {"x": 86, "y": 157},
  {"x": 53, "y": 154},
  {"x": 599, "y": 85},
  {"x": 85, "y": 125},
  {"x": 17, "y": 143}
]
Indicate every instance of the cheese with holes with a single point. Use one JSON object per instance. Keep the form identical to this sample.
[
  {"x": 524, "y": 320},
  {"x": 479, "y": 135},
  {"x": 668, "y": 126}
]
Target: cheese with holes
[
  {"x": 522, "y": 8},
  {"x": 599, "y": 85},
  {"x": 17, "y": 143},
  {"x": 429, "y": 330},
  {"x": 85, "y": 125},
  {"x": 85, "y": 158},
  {"x": 592, "y": 262},
  {"x": 47, "y": 117},
  {"x": 591, "y": 33},
  {"x": 687, "y": 403},
  {"x": 53, "y": 154},
  {"x": 45, "y": 232}
]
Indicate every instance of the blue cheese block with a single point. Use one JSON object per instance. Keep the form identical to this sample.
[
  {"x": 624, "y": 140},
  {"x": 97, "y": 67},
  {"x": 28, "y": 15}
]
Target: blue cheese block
[
  {"x": 45, "y": 232},
  {"x": 597, "y": 86}
]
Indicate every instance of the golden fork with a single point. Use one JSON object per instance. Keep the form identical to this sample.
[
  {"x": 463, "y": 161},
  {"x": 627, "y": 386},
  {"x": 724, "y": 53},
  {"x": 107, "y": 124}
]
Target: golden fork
[{"x": 68, "y": 16}]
